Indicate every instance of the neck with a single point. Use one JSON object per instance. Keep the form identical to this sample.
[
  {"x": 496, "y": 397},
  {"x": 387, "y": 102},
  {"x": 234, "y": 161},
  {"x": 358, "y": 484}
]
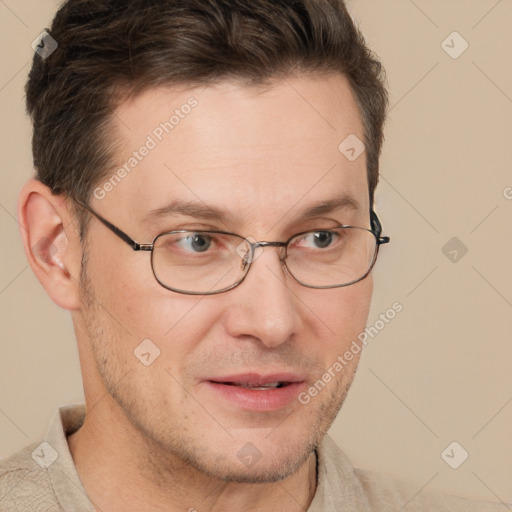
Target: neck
[{"x": 121, "y": 470}]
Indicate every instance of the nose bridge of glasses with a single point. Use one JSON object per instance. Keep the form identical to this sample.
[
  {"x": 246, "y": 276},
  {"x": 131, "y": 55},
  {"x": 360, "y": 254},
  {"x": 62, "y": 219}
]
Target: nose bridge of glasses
[
  {"x": 268, "y": 244},
  {"x": 255, "y": 245}
]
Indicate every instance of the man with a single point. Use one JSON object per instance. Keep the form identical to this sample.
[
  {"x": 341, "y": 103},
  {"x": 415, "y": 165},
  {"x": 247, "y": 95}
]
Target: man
[{"x": 204, "y": 209}]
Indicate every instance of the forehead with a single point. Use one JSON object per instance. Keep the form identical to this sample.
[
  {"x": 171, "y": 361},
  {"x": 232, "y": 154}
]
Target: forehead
[{"x": 259, "y": 154}]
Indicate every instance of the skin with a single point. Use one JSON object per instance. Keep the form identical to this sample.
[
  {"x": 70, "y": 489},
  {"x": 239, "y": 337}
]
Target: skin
[{"x": 156, "y": 437}]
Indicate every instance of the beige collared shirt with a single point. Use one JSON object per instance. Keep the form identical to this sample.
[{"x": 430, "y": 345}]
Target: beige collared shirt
[{"x": 43, "y": 478}]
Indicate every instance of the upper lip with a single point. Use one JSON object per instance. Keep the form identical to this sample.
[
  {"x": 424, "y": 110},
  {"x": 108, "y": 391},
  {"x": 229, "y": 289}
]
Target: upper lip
[{"x": 254, "y": 379}]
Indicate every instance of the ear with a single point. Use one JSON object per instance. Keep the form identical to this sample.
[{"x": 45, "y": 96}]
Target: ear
[{"x": 51, "y": 242}]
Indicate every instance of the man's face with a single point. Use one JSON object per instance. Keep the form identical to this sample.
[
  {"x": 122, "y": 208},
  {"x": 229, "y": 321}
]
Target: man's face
[{"x": 262, "y": 156}]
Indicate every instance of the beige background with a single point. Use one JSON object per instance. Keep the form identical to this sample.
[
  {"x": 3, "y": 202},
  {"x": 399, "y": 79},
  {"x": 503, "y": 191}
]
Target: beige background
[{"x": 440, "y": 371}]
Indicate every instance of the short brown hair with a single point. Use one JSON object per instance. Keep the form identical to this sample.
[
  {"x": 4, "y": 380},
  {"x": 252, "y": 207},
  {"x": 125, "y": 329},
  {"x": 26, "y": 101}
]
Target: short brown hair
[{"x": 109, "y": 50}]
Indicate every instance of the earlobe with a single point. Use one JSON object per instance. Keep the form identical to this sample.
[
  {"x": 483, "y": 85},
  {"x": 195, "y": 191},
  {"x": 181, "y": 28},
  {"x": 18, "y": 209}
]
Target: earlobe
[{"x": 51, "y": 243}]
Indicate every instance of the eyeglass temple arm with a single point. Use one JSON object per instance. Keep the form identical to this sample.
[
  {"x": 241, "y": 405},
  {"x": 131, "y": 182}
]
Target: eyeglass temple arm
[
  {"x": 120, "y": 233},
  {"x": 377, "y": 228}
]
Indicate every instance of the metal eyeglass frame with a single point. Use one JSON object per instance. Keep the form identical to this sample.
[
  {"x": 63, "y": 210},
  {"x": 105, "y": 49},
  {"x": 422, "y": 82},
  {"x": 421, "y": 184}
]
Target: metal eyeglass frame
[{"x": 376, "y": 230}]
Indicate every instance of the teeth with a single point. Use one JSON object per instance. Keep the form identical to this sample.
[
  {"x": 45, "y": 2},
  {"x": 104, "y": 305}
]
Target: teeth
[{"x": 269, "y": 385}]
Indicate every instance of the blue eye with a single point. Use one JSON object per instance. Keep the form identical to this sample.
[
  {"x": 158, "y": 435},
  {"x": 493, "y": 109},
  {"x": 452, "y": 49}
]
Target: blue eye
[
  {"x": 318, "y": 239},
  {"x": 323, "y": 239},
  {"x": 197, "y": 242}
]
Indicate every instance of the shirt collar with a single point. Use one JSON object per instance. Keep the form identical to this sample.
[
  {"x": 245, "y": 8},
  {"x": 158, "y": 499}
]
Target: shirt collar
[{"x": 336, "y": 483}]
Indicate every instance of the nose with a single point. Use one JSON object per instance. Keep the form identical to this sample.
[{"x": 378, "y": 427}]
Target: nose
[{"x": 264, "y": 305}]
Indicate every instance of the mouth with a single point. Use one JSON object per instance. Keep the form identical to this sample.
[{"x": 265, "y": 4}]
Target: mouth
[
  {"x": 261, "y": 387},
  {"x": 258, "y": 392}
]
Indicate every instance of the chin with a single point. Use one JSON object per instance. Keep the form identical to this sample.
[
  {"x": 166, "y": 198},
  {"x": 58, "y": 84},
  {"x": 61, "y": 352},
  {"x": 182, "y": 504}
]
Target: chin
[{"x": 259, "y": 471}]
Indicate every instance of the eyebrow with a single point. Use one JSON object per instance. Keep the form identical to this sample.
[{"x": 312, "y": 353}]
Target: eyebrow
[{"x": 198, "y": 210}]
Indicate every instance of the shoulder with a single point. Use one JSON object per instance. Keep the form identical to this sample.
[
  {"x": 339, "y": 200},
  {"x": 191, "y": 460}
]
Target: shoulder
[
  {"x": 25, "y": 486},
  {"x": 377, "y": 492},
  {"x": 387, "y": 494}
]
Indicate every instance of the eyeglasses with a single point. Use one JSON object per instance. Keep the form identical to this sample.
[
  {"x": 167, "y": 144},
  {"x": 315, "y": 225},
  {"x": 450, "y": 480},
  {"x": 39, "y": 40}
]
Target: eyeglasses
[{"x": 209, "y": 262}]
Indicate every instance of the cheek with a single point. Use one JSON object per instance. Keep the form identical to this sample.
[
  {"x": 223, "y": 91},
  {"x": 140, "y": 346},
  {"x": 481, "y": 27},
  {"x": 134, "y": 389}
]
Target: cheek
[
  {"x": 344, "y": 311},
  {"x": 135, "y": 303},
  {"x": 177, "y": 324}
]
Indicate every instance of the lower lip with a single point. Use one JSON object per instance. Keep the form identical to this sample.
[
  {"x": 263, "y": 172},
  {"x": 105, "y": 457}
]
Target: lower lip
[{"x": 258, "y": 399}]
